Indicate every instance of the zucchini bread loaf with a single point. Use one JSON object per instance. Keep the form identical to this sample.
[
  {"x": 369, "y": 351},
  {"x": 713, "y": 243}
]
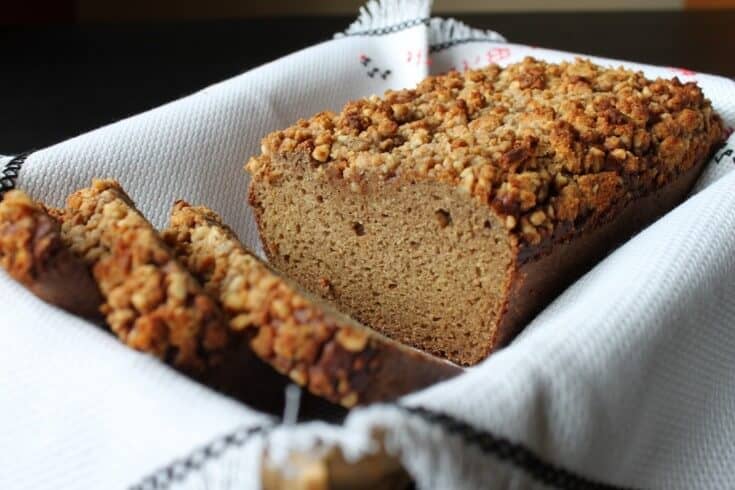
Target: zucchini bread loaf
[{"x": 447, "y": 215}]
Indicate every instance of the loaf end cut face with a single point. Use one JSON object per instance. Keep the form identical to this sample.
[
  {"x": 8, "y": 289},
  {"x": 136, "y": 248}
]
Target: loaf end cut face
[
  {"x": 447, "y": 215},
  {"x": 299, "y": 335},
  {"x": 33, "y": 253}
]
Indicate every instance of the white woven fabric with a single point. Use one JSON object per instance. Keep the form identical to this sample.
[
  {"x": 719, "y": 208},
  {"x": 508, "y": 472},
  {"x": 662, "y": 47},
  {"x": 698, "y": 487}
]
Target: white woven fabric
[{"x": 626, "y": 378}]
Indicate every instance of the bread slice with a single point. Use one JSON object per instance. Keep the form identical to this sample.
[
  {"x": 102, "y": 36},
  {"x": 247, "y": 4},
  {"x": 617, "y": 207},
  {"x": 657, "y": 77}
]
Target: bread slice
[
  {"x": 152, "y": 303},
  {"x": 446, "y": 216},
  {"x": 328, "y": 353},
  {"x": 139, "y": 276},
  {"x": 33, "y": 253}
]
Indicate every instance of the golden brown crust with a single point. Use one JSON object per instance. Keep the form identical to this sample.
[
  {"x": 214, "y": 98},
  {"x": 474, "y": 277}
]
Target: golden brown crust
[
  {"x": 152, "y": 303},
  {"x": 534, "y": 282},
  {"x": 552, "y": 148},
  {"x": 330, "y": 355},
  {"x": 32, "y": 252}
]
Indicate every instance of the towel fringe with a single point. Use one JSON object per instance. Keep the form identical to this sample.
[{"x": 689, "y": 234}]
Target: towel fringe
[
  {"x": 447, "y": 32},
  {"x": 378, "y": 15}
]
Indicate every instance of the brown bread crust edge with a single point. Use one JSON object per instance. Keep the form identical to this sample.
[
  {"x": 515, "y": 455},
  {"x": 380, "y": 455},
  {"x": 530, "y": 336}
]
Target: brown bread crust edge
[
  {"x": 535, "y": 282},
  {"x": 322, "y": 350},
  {"x": 33, "y": 253}
]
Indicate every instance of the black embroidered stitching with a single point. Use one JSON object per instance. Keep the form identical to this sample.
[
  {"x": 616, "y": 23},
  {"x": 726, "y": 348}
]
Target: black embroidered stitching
[
  {"x": 381, "y": 31},
  {"x": 366, "y": 61},
  {"x": 726, "y": 153},
  {"x": 179, "y": 469},
  {"x": 487, "y": 442},
  {"x": 513, "y": 453},
  {"x": 10, "y": 172},
  {"x": 435, "y": 48}
]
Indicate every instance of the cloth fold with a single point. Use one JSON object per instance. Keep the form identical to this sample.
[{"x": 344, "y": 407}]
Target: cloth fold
[{"x": 625, "y": 379}]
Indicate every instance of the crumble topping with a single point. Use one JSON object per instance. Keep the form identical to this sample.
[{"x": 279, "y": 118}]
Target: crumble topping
[{"x": 543, "y": 144}]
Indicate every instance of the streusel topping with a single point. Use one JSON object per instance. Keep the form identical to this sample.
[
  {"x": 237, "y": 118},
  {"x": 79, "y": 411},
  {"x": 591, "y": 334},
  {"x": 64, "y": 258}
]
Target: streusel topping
[{"x": 541, "y": 143}]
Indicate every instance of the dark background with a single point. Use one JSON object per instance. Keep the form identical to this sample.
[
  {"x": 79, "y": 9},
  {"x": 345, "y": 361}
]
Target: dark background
[{"x": 59, "y": 80}]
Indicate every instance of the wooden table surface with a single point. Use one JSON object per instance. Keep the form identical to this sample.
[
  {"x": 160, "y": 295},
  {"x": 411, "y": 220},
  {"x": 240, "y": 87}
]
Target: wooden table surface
[{"x": 59, "y": 81}]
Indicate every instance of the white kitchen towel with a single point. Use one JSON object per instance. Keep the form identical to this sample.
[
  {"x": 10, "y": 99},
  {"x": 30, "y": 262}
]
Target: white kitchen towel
[{"x": 625, "y": 380}]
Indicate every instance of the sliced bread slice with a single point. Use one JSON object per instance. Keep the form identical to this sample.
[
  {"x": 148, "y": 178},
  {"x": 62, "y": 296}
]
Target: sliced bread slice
[{"x": 151, "y": 302}]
